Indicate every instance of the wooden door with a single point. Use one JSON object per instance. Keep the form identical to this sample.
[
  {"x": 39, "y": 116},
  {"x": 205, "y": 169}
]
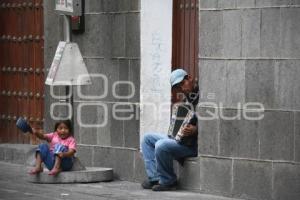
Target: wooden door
[
  {"x": 185, "y": 37},
  {"x": 21, "y": 67}
]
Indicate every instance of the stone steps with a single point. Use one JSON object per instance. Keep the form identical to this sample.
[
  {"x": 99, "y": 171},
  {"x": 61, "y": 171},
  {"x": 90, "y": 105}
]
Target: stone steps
[{"x": 25, "y": 154}]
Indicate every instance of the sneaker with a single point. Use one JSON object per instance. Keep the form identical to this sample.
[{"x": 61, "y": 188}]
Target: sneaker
[
  {"x": 160, "y": 187},
  {"x": 149, "y": 184}
]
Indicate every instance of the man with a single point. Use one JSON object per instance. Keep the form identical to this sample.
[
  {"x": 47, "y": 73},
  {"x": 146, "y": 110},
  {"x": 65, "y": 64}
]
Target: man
[{"x": 159, "y": 150}]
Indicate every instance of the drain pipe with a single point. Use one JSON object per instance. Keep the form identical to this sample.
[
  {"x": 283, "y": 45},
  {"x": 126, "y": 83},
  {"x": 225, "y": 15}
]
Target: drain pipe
[
  {"x": 67, "y": 28},
  {"x": 69, "y": 88}
]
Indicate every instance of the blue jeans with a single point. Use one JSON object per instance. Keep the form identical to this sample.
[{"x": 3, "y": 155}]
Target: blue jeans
[
  {"x": 48, "y": 157},
  {"x": 159, "y": 151}
]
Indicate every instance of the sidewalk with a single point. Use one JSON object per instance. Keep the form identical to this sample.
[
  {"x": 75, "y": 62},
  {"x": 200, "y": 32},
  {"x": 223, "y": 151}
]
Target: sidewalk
[{"x": 13, "y": 185}]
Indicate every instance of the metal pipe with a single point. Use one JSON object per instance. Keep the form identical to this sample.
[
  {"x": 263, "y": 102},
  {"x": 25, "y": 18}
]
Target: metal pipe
[{"x": 67, "y": 28}]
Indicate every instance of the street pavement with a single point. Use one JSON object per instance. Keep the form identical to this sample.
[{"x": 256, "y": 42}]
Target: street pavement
[{"x": 14, "y": 186}]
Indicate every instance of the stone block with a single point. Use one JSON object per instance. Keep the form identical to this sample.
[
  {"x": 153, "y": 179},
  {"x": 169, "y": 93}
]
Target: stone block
[
  {"x": 208, "y": 4},
  {"x": 235, "y": 83},
  {"x": 208, "y": 131},
  {"x": 295, "y": 2},
  {"x": 252, "y": 180},
  {"x": 60, "y": 111},
  {"x": 134, "y": 77},
  {"x": 268, "y": 3},
  {"x": 132, "y": 133},
  {"x": 132, "y": 39},
  {"x": 215, "y": 175},
  {"x": 212, "y": 81},
  {"x": 96, "y": 6},
  {"x": 189, "y": 174},
  {"x": 124, "y": 164},
  {"x": 104, "y": 156},
  {"x": 101, "y": 6},
  {"x": 287, "y": 87},
  {"x": 58, "y": 93},
  {"x": 286, "y": 181},
  {"x": 245, "y": 3},
  {"x": 210, "y": 39},
  {"x": 296, "y": 88},
  {"x": 89, "y": 116},
  {"x": 88, "y": 136},
  {"x": 53, "y": 33},
  {"x": 270, "y": 32},
  {"x": 9, "y": 155},
  {"x": 238, "y": 137},
  {"x": 2, "y": 153},
  {"x": 76, "y": 127},
  {"x": 19, "y": 157},
  {"x": 85, "y": 154},
  {"x": 116, "y": 131},
  {"x": 92, "y": 6},
  {"x": 104, "y": 132},
  {"x": 77, "y": 165},
  {"x": 232, "y": 33},
  {"x": 111, "y": 6},
  {"x": 127, "y": 115},
  {"x": 122, "y": 89},
  {"x": 104, "y": 73},
  {"x": 128, "y": 5},
  {"x": 260, "y": 82},
  {"x": 17, "y": 153},
  {"x": 297, "y": 136},
  {"x": 118, "y": 35},
  {"x": 226, "y": 3},
  {"x": 251, "y": 21},
  {"x": 139, "y": 167},
  {"x": 290, "y": 27},
  {"x": 95, "y": 42},
  {"x": 276, "y": 132}
]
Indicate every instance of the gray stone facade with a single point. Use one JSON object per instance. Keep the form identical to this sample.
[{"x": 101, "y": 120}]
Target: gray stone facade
[
  {"x": 249, "y": 51},
  {"x": 110, "y": 46}
]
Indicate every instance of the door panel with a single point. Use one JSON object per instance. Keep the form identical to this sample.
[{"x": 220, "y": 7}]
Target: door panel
[
  {"x": 185, "y": 38},
  {"x": 21, "y": 63}
]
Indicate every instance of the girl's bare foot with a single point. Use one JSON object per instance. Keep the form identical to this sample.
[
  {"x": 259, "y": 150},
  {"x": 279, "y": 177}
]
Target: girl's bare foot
[
  {"x": 54, "y": 171},
  {"x": 35, "y": 171}
]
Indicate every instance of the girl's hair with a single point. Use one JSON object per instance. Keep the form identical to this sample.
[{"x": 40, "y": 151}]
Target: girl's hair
[{"x": 68, "y": 123}]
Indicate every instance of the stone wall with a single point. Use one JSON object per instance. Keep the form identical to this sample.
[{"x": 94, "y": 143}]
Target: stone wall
[
  {"x": 110, "y": 46},
  {"x": 249, "y": 52}
]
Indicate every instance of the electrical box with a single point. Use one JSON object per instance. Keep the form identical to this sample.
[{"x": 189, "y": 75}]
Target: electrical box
[
  {"x": 77, "y": 24},
  {"x": 69, "y": 7}
]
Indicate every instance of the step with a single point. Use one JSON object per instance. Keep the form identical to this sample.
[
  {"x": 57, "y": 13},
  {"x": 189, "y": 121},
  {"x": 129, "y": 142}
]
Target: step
[
  {"x": 89, "y": 175},
  {"x": 17, "y": 153},
  {"x": 24, "y": 154}
]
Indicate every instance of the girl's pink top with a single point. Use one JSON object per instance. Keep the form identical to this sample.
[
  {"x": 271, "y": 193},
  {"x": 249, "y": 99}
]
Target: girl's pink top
[{"x": 54, "y": 138}]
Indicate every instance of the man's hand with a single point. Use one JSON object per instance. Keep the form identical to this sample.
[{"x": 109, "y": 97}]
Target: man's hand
[{"x": 189, "y": 130}]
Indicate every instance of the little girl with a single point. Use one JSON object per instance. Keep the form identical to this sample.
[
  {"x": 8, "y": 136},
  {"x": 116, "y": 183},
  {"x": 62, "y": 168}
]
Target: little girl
[{"x": 58, "y": 155}]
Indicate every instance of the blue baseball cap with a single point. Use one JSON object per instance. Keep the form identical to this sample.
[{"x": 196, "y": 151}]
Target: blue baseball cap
[{"x": 177, "y": 76}]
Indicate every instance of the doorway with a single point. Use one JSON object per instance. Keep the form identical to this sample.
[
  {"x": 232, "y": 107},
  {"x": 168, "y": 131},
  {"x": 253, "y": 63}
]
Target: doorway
[{"x": 185, "y": 36}]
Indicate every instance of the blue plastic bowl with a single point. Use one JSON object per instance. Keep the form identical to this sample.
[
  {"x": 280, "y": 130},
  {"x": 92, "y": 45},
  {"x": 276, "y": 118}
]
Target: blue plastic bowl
[{"x": 23, "y": 125}]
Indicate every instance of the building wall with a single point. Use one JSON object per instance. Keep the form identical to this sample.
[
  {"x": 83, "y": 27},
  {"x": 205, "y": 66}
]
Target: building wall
[
  {"x": 110, "y": 46},
  {"x": 249, "y": 52}
]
